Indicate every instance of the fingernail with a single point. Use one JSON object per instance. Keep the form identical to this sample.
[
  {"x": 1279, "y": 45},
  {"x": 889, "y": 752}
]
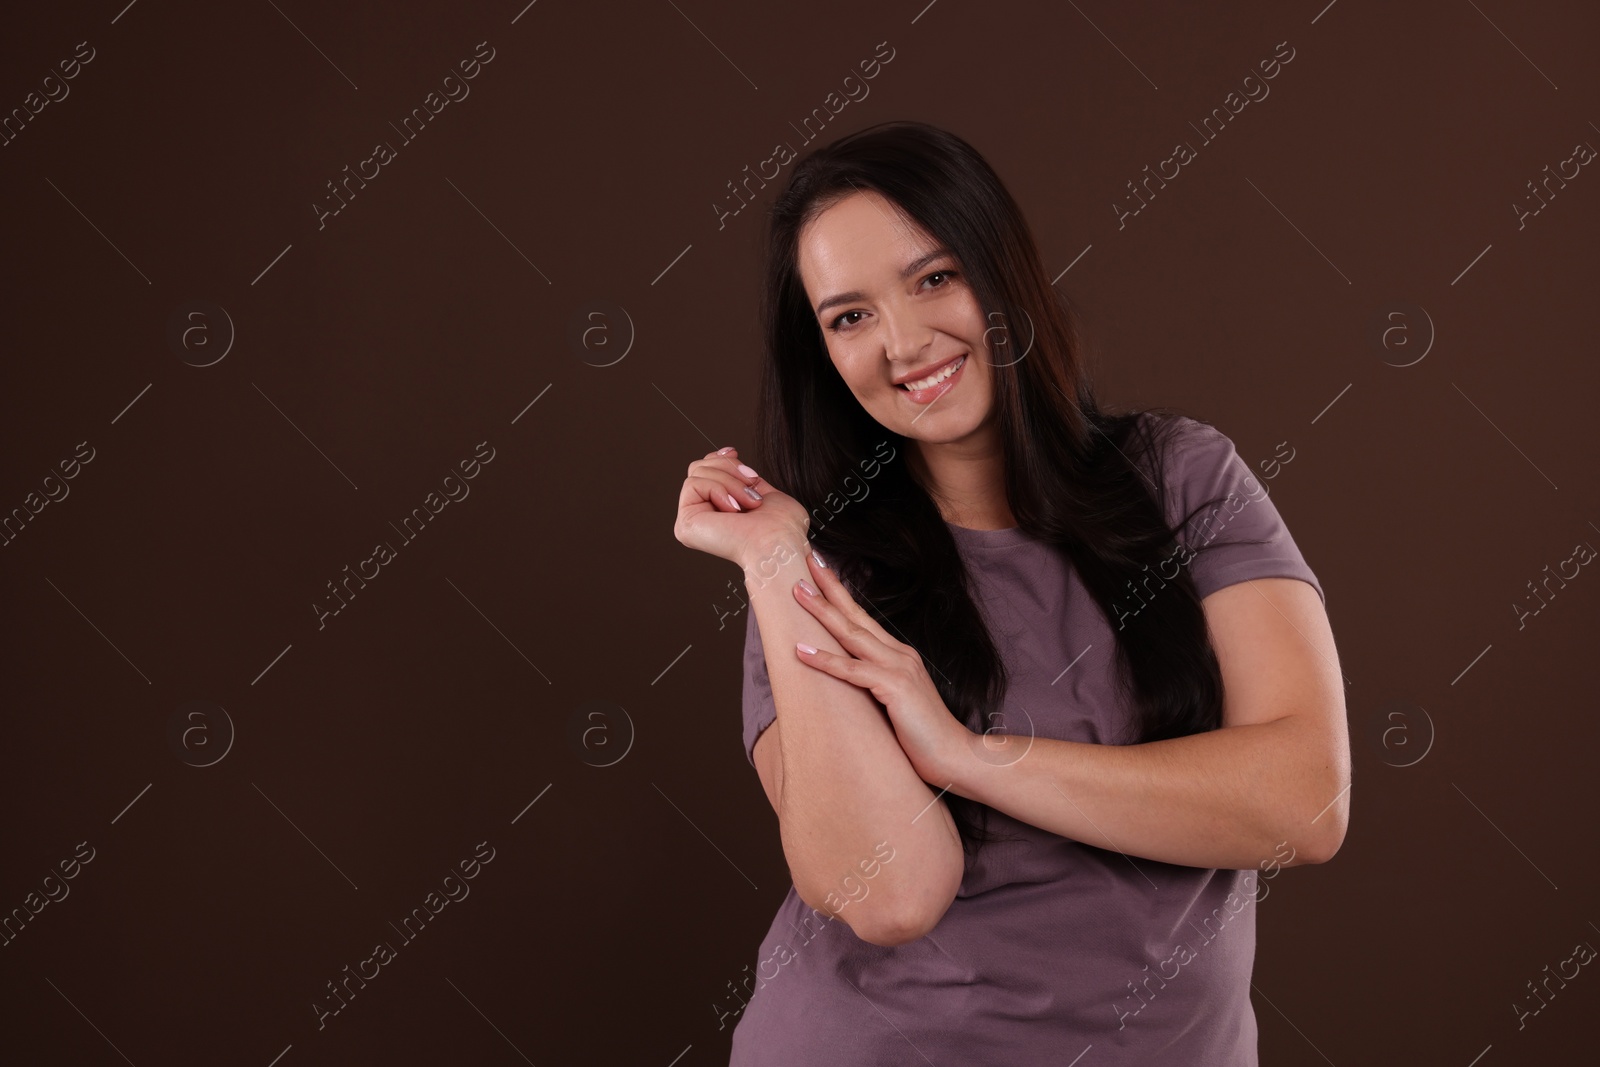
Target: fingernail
[
  {"x": 805, "y": 587},
  {"x": 818, "y": 558},
  {"x": 734, "y": 502},
  {"x": 747, "y": 472},
  {"x": 803, "y": 647},
  {"x": 751, "y": 493},
  {"x": 724, "y": 451}
]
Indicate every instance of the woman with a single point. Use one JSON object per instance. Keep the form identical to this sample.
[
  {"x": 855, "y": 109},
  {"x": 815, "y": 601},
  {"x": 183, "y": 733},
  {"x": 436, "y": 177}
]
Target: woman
[{"x": 1043, "y": 695}]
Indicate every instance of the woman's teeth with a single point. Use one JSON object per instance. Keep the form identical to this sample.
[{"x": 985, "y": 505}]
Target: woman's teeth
[{"x": 934, "y": 379}]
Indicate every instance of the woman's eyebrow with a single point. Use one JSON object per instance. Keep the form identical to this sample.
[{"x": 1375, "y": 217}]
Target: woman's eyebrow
[{"x": 905, "y": 272}]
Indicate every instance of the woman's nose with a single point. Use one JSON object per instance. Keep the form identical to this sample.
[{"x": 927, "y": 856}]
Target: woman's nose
[{"x": 905, "y": 335}]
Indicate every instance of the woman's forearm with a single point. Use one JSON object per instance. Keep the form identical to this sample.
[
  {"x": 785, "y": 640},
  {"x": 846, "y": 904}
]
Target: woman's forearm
[
  {"x": 847, "y": 786},
  {"x": 1223, "y": 798}
]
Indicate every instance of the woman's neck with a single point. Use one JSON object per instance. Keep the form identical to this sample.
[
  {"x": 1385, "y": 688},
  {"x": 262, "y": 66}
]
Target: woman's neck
[{"x": 967, "y": 484}]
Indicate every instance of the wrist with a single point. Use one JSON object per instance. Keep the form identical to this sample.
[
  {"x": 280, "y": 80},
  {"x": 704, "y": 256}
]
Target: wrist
[
  {"x": 969, "y": 761},
  {"x": 951, "y": 762},
  {"x": 765, "y": 559}
]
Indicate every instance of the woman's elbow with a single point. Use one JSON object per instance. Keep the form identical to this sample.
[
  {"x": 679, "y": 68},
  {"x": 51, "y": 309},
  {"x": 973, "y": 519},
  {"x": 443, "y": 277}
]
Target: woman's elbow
[
  {"x": 1326, "y": 835},
  {"x": 892, "y": 931},
  {"x": 921, "y": 912},
  {"x": 1326, "y": 846}
]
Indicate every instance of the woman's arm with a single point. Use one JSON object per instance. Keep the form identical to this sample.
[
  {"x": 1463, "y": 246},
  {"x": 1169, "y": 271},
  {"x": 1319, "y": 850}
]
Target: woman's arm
[
  {"x": 1278, "y": 770},
  {"x": 844, "y": 785}
]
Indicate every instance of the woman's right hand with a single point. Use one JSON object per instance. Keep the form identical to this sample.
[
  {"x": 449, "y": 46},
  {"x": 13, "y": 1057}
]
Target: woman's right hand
[{"x": 717, "y": 515}]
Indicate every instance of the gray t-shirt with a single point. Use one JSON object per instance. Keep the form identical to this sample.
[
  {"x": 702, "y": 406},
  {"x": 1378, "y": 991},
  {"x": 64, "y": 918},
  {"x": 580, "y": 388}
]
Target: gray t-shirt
[{"x": 1051, "y": 946}]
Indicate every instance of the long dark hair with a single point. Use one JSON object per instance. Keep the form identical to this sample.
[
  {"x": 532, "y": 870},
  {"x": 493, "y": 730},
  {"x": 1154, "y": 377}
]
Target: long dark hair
[{"x": 1070, "y": 474}]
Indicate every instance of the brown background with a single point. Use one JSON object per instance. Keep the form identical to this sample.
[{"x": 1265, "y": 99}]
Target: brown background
[{"x": 369, "y": 756}]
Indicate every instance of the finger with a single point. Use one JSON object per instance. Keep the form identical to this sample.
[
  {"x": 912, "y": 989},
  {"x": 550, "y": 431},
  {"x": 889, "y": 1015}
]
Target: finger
[
  {"x": 732, "y": 465},
  {"x": 832, "y": 587},
  {"x": 862, "y": 641},
  {"x": 708, "y": 493},
  {"x": 693, "y": 491},
  {"x": 742, "y": 488},
  {"x": 710, "y": 456},
  {"x": 717, "y": 488},
  {"x": 825, "y": 661}
]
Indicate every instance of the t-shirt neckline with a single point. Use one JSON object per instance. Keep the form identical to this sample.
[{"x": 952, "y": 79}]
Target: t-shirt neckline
[{"x": 1006, "y": 538}]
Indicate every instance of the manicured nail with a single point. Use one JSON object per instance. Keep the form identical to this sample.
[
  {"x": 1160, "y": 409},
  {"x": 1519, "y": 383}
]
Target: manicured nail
[
  {"x": 805, "y": 587},
  {"x": 724, "y": 451},
  {"x": 734, "y": 502},
  {"x": 751, "y": 493},
  {"x": 747, "y": 472},
  {"x": 805, "y": 648},
  {"x": 818, "y": 558}
]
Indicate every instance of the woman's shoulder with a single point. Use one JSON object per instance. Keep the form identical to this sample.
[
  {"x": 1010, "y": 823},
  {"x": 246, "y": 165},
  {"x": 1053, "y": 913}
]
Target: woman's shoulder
[
  {"x": 1193, "y": 460},
  {"x": 1158, "y": 439},
  {"x": 1163, "y": 422},
  {"x": 1181, "y": 442}
]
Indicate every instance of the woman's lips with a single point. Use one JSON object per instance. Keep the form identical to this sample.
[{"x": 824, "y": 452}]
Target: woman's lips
[{"x": 932, "y": 393}]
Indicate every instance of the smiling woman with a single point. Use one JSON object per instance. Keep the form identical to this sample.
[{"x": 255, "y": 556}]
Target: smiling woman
[{"x": 943, "y": 664}]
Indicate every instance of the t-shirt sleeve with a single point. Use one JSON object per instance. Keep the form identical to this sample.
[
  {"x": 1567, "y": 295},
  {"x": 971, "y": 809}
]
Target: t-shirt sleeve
[
  {"x": 1239, "y": 535},
  {"x": 759, "y": 710}
]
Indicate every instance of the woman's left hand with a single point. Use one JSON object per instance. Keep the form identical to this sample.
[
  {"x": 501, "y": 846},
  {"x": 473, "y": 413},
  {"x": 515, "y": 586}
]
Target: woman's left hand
[{"x": 890, "y": 670}]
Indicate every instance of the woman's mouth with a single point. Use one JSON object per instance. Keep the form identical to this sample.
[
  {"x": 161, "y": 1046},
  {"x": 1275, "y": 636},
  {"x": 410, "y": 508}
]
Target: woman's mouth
[{"x": 944, "y": 380}]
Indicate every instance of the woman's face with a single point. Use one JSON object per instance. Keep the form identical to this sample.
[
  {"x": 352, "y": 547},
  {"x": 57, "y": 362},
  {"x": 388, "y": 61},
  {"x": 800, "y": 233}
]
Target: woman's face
[{"x": 892, "y": 325}]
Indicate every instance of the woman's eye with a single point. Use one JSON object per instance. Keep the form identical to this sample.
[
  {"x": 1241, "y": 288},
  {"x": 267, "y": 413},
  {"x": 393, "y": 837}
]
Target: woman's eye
[{"x": 835, "y": 324}]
